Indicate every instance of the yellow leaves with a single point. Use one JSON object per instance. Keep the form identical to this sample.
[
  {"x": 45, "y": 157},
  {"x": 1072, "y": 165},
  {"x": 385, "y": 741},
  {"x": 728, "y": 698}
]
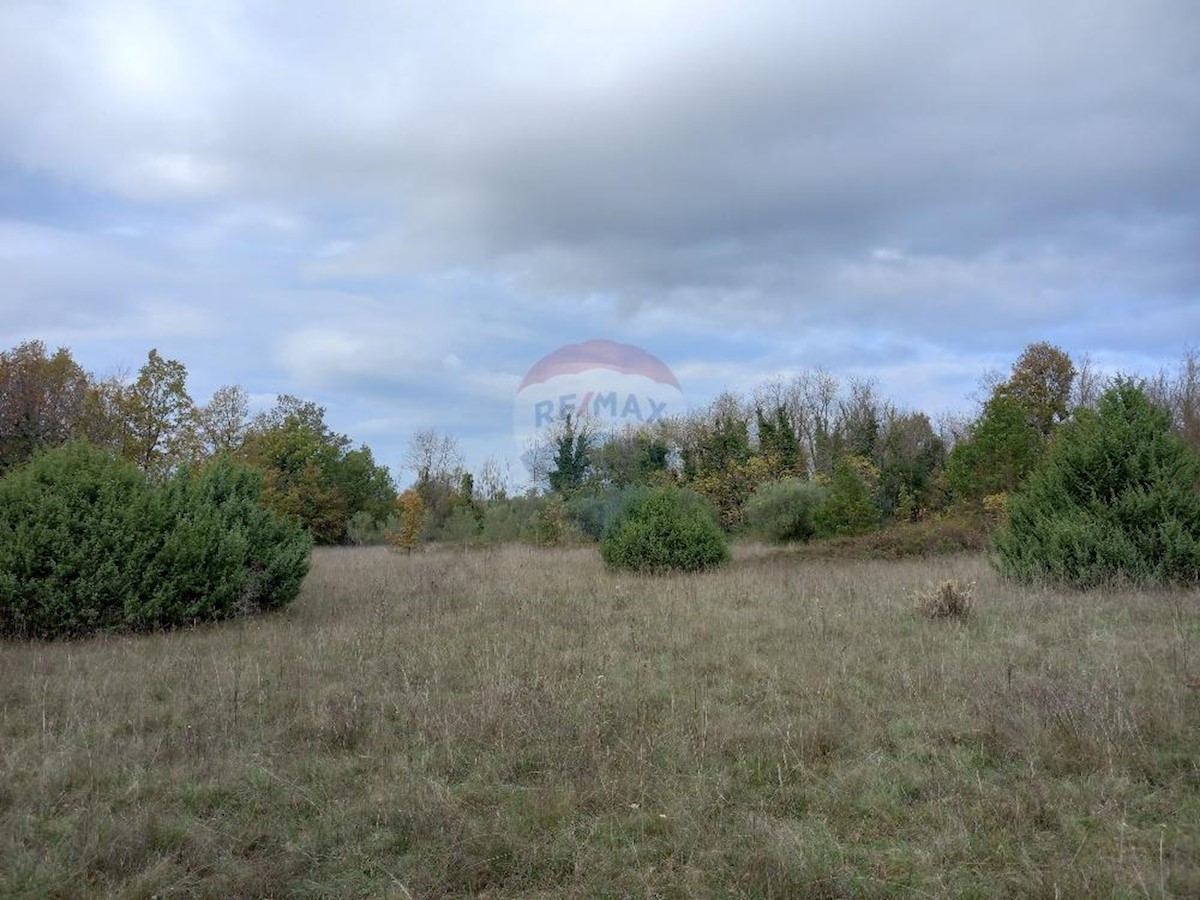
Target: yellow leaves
[
  {"x": 995, "y": 507},
  {"x": 411, "y": 510}
]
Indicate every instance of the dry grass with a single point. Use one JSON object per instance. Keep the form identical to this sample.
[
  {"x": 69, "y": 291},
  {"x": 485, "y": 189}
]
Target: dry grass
[
  {"x": 523, "y": 723},
  {"x": 949, "y": 600}
]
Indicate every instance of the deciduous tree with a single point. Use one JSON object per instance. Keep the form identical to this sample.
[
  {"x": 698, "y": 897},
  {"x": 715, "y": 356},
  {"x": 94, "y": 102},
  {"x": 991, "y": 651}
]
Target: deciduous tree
[
  {"x": 43, "y": 401},
  {"x": 153, "y": 416}
]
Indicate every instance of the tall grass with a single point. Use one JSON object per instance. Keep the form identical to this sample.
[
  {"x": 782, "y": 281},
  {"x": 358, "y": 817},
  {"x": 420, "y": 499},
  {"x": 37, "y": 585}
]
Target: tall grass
[{"x": 521, "y": 722}]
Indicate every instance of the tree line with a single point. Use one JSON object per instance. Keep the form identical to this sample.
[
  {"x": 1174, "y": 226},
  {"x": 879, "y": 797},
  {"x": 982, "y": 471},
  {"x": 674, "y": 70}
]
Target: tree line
[
  {"x": 798, "y": 457},
  {"x": 795, "y": 458}
]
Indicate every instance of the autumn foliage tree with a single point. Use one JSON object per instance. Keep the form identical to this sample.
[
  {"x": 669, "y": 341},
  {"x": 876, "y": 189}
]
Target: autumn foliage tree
[
  {"x": 43, "y": 401},
  {"x": 310, "y": 473},
  {"x": 411, "y": 513},
  {"x": 1040, "y": 383}
]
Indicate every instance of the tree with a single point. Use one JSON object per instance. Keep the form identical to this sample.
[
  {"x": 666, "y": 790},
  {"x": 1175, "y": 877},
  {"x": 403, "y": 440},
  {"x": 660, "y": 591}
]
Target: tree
[
  {"x": 1117, "y": 496},
  {"x": 848, "y": 509},
  {"x": 778, "y": 443},
  {"x": 573, "y": 443},
  {"x": 365, "y": 485},
  {"x": 817, "y": 393},
  {"x": 859, "y": 422},
  {"x": 493, "y": 480},
  {"x": 1178, "y": 392},
  {"x": 153, "y": 415},
  {"x": 1040, "y": 383},
  {"x": 43, "y": 401},
  {"x": 909, "y": 453},
  {"x": 1001, "y": 450},
  {"x": 721, "y": 440},
  {"x": 222, "y": 423},
  {"x": 301, "y": 459},
  {"x": 1088, "y": 384},
  {"x": 632, "y": 457},
  {"x": 432, "y": 456},
  {"x": 719, "y": 463},
  {"x": 411, "y": 510},
  {"x": 436, "y": 461}
]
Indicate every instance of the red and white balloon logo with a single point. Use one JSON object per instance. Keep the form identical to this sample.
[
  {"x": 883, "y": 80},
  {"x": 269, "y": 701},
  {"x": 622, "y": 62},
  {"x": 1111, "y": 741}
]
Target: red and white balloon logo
[{"x": 613, "y": 386}]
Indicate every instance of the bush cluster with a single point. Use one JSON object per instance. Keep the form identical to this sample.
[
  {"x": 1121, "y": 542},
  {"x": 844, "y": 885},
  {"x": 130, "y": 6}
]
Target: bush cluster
[
  {"x": 785, "y": 511},
  {"x": 929, "y": 537},
  {"x": 88, "y": 544},
  {"x": 594, "y": 513},
  {"x": 666, "y": 530},
  {"x": 1115, "y": 498}
]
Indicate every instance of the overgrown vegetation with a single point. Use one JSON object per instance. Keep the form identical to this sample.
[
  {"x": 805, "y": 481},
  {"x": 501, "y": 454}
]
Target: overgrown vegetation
[
  {"x": 89, "y": 543},
  {"x": 879, "y": 466},
  {"x": 526, "y": 723},
  {"x": 785, "y": 511},
  {"x": 310, "y": 473},
  {"x": 946, "y": 534}
]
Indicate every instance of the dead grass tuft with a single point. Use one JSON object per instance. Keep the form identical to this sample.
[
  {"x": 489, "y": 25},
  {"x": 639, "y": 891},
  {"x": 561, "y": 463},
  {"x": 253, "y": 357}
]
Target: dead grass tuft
[{"x": 949, "y": 600}]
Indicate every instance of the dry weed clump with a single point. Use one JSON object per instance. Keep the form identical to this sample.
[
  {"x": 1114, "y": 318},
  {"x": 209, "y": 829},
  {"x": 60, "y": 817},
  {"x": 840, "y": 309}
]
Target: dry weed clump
[{"x": 949, "y": 600}]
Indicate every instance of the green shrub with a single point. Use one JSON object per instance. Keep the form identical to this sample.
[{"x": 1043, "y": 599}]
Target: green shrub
[
  {"x": 1116, "y": 497},
  {"x": 667, "y": 530},
  {"x": 784, "y": 510},
  {"x": 552, "y": 523},
  {"x": 592, "y": 514},
  {"x": 511, "y": 520},
  {"x": 222, "y": 552},
  {"x": 364, "y": 530},
  {"x": 848, "y": 509},
  {"x": 461, "y": 527},
  {"x": 88, "y": 544}
]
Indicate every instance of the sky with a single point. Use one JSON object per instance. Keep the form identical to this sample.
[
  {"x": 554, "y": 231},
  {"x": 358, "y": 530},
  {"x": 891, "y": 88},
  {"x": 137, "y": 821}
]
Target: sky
[{"x": 396, "y": 208}]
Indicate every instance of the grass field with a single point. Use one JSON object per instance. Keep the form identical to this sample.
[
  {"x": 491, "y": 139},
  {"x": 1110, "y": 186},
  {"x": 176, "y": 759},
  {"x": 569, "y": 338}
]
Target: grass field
[{"x": 521, "y": 722}]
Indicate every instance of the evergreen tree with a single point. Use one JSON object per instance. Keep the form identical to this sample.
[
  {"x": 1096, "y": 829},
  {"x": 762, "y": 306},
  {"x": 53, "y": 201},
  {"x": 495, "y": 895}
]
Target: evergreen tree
[
  {"x": 572, "y": 456},
  {"x": 778, "y": 443},
  {"x": 848, "y": 509},
  {"x": 1117, "y": 496}
]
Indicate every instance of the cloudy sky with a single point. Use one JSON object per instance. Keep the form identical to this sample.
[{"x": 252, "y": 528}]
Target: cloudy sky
[{"x": 395, "y": 208}]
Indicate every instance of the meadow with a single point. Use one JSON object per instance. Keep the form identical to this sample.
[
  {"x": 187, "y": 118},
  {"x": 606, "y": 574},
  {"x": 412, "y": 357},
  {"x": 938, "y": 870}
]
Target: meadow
[{"x": 520, "y": 722}]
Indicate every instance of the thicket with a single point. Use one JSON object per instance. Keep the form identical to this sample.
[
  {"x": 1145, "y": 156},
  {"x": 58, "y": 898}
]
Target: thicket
[
  {"x": 849, "y": 508},
  {"x": 88, "y": 543},
  {"x": 785, "y": 511},
  {"x": 1117, "y": 496},
  {"x": 594, "y": 513}
]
